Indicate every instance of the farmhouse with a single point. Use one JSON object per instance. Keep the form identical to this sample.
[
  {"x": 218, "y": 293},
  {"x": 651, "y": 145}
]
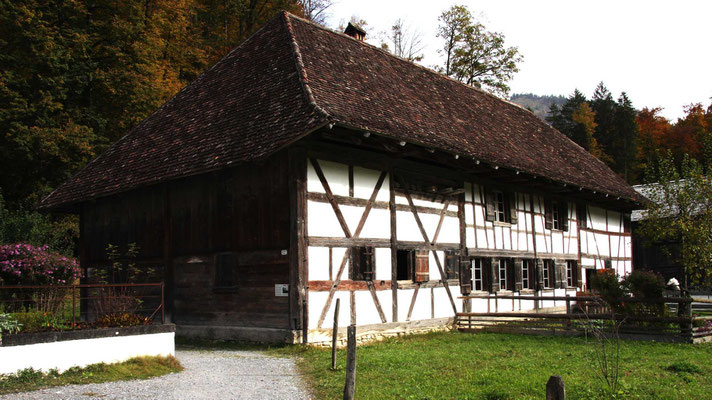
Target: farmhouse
[{"x": 308, "y": 166}]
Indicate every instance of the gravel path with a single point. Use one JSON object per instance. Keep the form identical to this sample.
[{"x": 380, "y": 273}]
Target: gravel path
[{"x": 214, "y": 374}]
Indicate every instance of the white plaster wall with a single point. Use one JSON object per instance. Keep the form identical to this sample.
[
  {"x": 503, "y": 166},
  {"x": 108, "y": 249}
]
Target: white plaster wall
[{"x": 83, "y": 352}]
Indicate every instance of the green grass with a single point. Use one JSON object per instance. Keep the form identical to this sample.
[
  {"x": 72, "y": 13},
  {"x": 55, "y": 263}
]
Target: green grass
[
  {"x": 452, "y": 365},
  {"x": 135, "y": 368}
]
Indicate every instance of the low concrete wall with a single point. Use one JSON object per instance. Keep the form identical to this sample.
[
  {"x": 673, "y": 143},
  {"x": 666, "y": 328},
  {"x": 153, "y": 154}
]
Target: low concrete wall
[
  {"x": 239, "y": 333},
  {"x": 63, "y": 350}
]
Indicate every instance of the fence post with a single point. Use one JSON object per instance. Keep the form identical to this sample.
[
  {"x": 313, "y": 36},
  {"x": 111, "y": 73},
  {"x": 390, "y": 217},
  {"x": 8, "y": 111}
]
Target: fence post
[
  {"x": 334, "y": 333},
  {"x": 350, "y": 386},
  {"x": 555, "y": 389},
  {"x": 74, "y": 307},
  {"x": 568, "y": 304}
]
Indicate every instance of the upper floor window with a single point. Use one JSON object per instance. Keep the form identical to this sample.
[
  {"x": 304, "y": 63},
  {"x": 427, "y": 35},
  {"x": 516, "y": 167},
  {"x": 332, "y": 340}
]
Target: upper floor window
[
  {"x": 500, "y": 206},
  {"x": 557, "y": 215}
]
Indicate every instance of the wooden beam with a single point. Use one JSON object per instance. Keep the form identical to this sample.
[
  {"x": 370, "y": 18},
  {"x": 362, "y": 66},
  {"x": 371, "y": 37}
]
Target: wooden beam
[
  {"x": 298, "y": 270},
  {"x": 330, "y": 196},
  {"x": 412, "y": 303},
  {"x": 376, "y": 301},
  {"x": 394, "y": 246}
]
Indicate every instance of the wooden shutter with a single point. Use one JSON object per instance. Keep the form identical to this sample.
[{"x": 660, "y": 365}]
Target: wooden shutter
[
  {"x": 564, "y": 215},
  {"x": 225, "y": 270},
  {"x": 579, "y": 276},
  {"x": 518, "y": 265},
  {"x": 539, "y": 274},
  {"x": 513, "y": 217},
  {"x": 560, "y": 273},
  {"x": 465, "y": 275},
  {"x": 368, "y": 264},
  {"x": 581, "y": 215},
  {"x": 548, "y": 216},
  {"x": 451, "y": 263},
  {"x": 626, "y": 223},
  {"x": 490, "y": 205},
  {"x": 493, "y": 268},
  {"x": 422, "y": 267}
]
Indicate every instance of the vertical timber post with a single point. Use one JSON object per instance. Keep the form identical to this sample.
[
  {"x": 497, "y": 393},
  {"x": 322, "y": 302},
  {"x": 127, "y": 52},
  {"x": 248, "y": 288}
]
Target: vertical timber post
[
  {"x": 335, "y": 333},
  {"x": 555, "y": 389},
  {"x": 168, "y": 272},
  {"x": 394, "y": 245},
  {"x": 350, "y": 386},
  {"x": 297, "y": 170}
]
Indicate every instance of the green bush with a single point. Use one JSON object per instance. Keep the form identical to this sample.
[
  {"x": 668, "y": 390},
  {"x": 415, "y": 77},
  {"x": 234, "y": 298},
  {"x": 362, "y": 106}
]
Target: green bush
[
  {"x": 8, "y": 324},
  {"x": 644, "y": 284},
  {"x": 38, "y": 321},
  {"x": 608, "y": 286}
]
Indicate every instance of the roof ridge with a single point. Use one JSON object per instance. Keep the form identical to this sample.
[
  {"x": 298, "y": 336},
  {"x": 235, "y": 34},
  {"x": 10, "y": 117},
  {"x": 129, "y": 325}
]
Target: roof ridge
[
  {"x": 388, "y": 53},
  {"x": 301, "y": 70}
]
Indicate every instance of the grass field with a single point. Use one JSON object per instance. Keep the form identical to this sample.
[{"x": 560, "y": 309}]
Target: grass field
[
  {"x": 452, "y": 365},
  {"x": 135, "y": 368}
]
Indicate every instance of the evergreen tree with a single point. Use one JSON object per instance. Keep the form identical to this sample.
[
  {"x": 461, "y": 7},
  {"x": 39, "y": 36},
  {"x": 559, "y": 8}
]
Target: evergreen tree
[
  {"x": 604, "y": 106},
  {"x": 625, "y": 131}
]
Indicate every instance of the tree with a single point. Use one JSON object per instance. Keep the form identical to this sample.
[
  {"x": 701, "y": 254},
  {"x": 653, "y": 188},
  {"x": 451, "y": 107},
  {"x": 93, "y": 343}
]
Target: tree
[
  {"x": 475, "y": 55},
  {"x": 407, "y": 43},
  {"x": 577, "y": 121},
  {"x": 680, "y": 214},
  {"x": 652, "y": 129},
  {"x": 625, "y": 131},
  {"x": 315, "y": 10}
]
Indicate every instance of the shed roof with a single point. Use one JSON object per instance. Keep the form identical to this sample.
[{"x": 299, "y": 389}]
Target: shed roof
[{"x": 292, "y": 77}]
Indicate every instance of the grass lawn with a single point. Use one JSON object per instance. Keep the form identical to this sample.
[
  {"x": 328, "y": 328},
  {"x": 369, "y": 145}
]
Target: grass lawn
[
  {"x": 135, "y": 368},
  {"x": 453, "y": 365}
]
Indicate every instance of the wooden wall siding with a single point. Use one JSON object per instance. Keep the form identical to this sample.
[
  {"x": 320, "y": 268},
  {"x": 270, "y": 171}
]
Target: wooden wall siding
[{"x": 242, "y": 210}]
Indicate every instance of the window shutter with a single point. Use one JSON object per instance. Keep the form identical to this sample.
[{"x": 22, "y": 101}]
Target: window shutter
[
  {"x": 490, "y": 205},
  {"x": 539, "y": 269},
  {"x": 549, "y": 218},
  {"x": 579, "y": 276},
  {"x": 451, "y": 263},
  {"x": 581, "y": 215},
  {"x": 422, "y": 273},
  {"x": 355, "y": 263},
  {"x": 465, "y": 275},
  {"x": 513, "y": 217},
  {"x": 518, "y": 265},
  {"x": 494, "y": 274},
  {"x": 560, "y": 273},
  {"x": 369, "y": 269},
  {"x": 564, "y": 215}
]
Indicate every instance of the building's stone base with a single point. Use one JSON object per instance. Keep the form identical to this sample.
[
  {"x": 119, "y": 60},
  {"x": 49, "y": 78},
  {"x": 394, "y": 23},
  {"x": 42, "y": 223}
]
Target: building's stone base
[{"x": 376, "y": 332}]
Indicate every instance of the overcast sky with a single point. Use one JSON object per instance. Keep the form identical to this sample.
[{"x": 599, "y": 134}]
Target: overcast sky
[{"x": 659, "y": 52}]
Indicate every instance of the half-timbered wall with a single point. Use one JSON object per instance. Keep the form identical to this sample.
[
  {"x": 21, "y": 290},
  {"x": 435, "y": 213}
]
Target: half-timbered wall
[{"x": 349, "y": 207}]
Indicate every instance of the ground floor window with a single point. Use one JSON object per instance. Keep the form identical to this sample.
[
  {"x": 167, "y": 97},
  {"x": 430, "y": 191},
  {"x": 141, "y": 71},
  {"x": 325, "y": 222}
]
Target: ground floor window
[
  {"x": 549, "y": 274},
  {"x": 503, "y": 274},
  {"x": 571, "y": 273},
  {"x": 478, "y": 281},
  {"x": 528, "y": 274},
  {"x": 413, "y": 265}
]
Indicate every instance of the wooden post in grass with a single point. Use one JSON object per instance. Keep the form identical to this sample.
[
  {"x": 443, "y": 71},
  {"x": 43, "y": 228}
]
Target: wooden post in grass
[
  {"x": 350, "y": 386},
  {"x": 555, "y": 389},
  {"x": 334, "y": 333}
]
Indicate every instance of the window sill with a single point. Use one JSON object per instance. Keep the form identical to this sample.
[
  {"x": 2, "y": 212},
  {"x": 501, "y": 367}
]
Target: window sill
[{"x": 502, "y": 224}]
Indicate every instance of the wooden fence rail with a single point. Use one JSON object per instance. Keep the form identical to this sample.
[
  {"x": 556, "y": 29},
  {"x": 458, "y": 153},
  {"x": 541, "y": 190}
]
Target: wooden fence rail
[{"x": 582, "y": 311}]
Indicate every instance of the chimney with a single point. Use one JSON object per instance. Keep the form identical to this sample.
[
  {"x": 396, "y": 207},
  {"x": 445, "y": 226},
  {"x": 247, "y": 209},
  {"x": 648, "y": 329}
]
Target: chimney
[{"x": 355, "y": 32}]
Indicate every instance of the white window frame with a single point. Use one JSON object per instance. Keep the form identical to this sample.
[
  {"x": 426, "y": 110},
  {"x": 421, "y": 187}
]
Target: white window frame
[
  {"x": 555, "y": 217},
  {"x": 477, "y": 266},
  {"x": 525, "y": 274},
  {"x": 570, "y": 274},
  {"x": 547, "y": 277},
  {"x": 500, "y": 207},
  {"x": 503, "y": 274}
]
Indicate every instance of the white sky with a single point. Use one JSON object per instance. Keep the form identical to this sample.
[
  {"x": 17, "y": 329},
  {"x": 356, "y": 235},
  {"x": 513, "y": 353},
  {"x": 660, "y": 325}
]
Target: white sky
[{"x": 659, "y": 52}]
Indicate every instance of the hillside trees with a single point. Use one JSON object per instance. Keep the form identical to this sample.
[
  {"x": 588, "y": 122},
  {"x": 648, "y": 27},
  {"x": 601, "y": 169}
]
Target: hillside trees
[{"x": 75, "y": 76}]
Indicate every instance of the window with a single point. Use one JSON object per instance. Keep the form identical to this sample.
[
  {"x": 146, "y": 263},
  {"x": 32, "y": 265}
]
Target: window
[
  {"x": 557, "y": 215},
  {"x": 500, "y": 206},
  {"x": 571, "y": 274},
  {"x": 581, "y": 215},
  {"x": 555, "y": 218},
  {"x": 225, "y": 271},
  {"x": 405, "y": 265},
  {"x": 413, "y": 265},
  {"x": 478, "y": 281},
  {"x": 451, "y": 260},
  {"x": 528, "y": 275},
  {"x": 549, "y": 274},
  {"x": 362, "y": 264},
  {"x": 500, "y": 213},
  {"x": 503, "y": 275}
]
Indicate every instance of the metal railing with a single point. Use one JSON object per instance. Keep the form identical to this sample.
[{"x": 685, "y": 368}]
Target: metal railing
[{"x": 68, "y": 307}]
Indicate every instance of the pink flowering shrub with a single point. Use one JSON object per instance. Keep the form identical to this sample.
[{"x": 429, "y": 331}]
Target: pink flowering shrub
[{"x": 24, "y": 264}]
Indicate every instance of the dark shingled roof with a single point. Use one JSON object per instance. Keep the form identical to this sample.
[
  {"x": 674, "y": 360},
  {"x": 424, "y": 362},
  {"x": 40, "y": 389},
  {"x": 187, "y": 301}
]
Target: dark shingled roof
[{"x": 292, "y": 77}]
